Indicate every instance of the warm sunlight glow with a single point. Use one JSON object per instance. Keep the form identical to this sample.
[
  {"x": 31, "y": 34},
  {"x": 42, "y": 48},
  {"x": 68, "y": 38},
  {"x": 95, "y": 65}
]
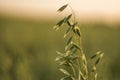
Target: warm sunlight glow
[{"x": 109, "y": 9}]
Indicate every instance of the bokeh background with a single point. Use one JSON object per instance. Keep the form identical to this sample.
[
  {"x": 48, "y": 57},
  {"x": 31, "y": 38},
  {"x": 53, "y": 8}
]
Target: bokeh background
[{"x": 28, "y": 43}]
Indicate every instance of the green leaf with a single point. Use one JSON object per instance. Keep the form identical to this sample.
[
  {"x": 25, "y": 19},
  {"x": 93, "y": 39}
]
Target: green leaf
[
  {"x": 57, "y": 59},
  {"x": 67, "y": 47},
  {"x": 62, "y": 62},
  {"x": 67, "y": 32},
  {"x": 78, "y": 31},
  {"x": 68, "y": 17},
  {"x": 74, "y": 28},
  {"x": 74, "y": 31},
  {"x": 64, "y": 71},
  {"x": 75, "y": 50},
  {"x": 67, "y": 53},
  {"x": 75, "y": 24},
  {"x": 69, "y": 40},
  {"x": 71, "y": 47},
  {"x": 96, "y": 54},
  {"x": 60, "y": 23},
  {"x": 69, "y": 24},
  {"x": 60, "y": 57},
  {"x": 60, "y": 54},
  {"x": 101, "y": 55},
  {"x": 56, "y": 27},
  {"x": 62, "y": 8},
  {"x": 81, "y": 75},
  {"x": 76, "y": 46},
  {"x": 98, "y": 60}
]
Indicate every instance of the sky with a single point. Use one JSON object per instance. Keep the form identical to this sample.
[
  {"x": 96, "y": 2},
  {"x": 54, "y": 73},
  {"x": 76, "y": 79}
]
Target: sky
[{"x": 109, "y": 9}]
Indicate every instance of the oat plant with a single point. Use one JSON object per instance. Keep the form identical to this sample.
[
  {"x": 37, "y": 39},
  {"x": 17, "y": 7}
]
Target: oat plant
[{"x": 75, "y": 65}]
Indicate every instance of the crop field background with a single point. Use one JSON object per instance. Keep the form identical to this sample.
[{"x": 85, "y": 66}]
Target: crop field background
[{"x": 28, "y": 49}]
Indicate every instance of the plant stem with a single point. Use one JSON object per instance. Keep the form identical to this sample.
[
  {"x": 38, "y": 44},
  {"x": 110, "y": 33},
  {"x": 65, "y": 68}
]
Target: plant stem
[{"x": 74, "y": 18}]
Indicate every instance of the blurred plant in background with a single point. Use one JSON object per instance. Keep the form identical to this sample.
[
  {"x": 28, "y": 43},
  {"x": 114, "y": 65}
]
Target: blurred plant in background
[{"x": 27, "y": 49}]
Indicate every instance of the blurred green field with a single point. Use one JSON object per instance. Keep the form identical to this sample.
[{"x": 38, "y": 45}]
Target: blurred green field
[{"x": 27, "y": 49}]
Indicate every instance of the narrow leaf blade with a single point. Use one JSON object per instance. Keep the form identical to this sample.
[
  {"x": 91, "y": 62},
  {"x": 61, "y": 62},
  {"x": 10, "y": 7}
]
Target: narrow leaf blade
[
  {"x": 98, "y": 60},
  {"x": 69, "y": 40},
  {"x": 62, "y": 8},
  {"x": 64, "y": 71},
  {"x": 68, "y": 17},
  {"x": 77, "y": 30},
  {"x": 67, "y": 32},
  {"x": 69, "y": 24},
  {"x": 61, "y": 22},
  {"x": 76, "y": 46},
  {"x": 92, "y": 57}
]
